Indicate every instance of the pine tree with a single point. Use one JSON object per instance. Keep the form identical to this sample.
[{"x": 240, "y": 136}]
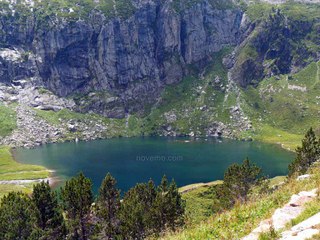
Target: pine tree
[
  {"x": 18, "y": 217},
  {"x": 108, "y": 207},
  {"x": 159, "y": 207},
  {"x": 238, "y": 182},
  {"x": 175, "y": 207},
  {"x": 77, "y": 198},
  {"x": 50, "y": 218},
  {"x": 164, "y": 184},
  {"x": 168, "y": 207},
  {"x": 307, "y": 154},
  {"x": 136, "y": 212},
  {"x": 133, "y": 213}
]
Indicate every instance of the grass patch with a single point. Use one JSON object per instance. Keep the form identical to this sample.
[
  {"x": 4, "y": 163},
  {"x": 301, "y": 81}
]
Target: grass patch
[
  {"x": 271, "y": 235},
  {"x": 272, "y": 135},
  {"x": 12, "y": 170},
  {"x": 16, "y": 170},
  {"x": 311, "y": 208},
  {"x": 8, "y": 120},
  {"x": 199, "y": 201},
  {"x": 6, "y": 188},
  {"x": 191, "y": 187}
]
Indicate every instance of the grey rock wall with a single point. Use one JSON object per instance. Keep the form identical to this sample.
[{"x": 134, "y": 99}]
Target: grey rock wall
[{"x": 126, "y": 62}]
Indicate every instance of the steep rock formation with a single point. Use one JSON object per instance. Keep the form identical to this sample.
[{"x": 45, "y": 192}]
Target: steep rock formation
[
  {"x": 114, "y": 65},
  {"x": 277, "y": 45}
]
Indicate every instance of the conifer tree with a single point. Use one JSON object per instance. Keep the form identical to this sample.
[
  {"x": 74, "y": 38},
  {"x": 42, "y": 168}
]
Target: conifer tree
[
  {"x": 77, "y": 198},
  {"x": 175, "y": 207},
  {"x": 159, "y": 208},
  {"x": 168, "y": 207},
  {"x": 18, "y": 217},
  {"x": 238, "y": 182},
  {"x": 50, "y": 218},
  {"x": 307, "y": 154},
  {"x": 133, "y": 213},
  {"x": 108, "y": 207}
]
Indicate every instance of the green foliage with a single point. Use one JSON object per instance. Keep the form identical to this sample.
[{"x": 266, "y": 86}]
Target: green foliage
[
  {"x": 8, "y": 120},
  {"x": 179, "y": 5},
  {"x": 50, "y": 218},
  {"x": 239, "y": 179},
  {"x": 134, "y": 213},
  {"x": 168, "y": 209},
  {"x": 147, "y": 211},
  {"x": 18, "y": 217},
  {"x": 108, "y": 205},
  {"x": 46, "y": 11},
  {"x": 185, "y": 100},
  {"x": 200, "y": 202},
  {"x": 258, "y": 10},
  {"x": 270, "y": 235},
  {"x": 307, "y": 154},
  {"x": 77, "y": 198}
]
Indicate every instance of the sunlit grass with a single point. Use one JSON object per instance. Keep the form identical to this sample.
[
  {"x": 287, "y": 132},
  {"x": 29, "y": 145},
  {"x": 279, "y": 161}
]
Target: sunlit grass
[{"x": 242, "y": 219}]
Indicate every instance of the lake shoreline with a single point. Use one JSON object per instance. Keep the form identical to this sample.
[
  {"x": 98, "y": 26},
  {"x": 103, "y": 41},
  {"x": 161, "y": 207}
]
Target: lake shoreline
[
  {"x": 53, "y": 180},
  {"x": 136, "y": 160}
]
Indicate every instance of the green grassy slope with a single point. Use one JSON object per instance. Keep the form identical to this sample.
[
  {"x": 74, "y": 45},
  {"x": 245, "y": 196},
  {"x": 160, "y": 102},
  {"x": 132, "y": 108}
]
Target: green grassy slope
[
  {"x": 11, "y": 170},
  {"x": 242, "y": 219},
  {"x": 8, "y": 120},
  {"x": 283, "y": 108}
]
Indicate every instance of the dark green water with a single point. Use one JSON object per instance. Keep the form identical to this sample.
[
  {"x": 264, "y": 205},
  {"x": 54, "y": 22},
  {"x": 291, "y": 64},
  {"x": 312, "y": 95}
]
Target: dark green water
[{"x": 136, "y": 160}]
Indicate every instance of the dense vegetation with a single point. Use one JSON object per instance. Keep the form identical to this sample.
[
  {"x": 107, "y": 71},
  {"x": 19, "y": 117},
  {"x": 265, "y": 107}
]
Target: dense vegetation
[{"x": 145, "y": 210}]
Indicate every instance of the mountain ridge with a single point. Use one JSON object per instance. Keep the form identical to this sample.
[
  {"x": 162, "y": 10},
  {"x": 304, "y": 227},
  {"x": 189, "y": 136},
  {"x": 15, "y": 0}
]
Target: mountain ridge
[{"x": 169, "y": 69}]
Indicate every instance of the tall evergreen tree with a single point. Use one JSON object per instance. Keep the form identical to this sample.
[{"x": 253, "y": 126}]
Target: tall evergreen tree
[
  {"x": 77, "y": 198},
  {"x": 238, "y": 182},
  {"x": 307, "y": 154},
  {"x": 168, "y": 207},
  {"x": 133, "y": 213},
  {"x": 136, "y": 212},
  {"x": 175, "y": 207},
  {"x": 108, "y": 206},
  {"x": 50, "y": 218},
  {"x": 18, "y": 217},
  {"x": 159, "y": 207}
]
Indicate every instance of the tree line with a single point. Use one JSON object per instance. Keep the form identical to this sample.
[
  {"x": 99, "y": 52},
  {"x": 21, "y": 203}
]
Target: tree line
[{"x": 145, "y": 210}]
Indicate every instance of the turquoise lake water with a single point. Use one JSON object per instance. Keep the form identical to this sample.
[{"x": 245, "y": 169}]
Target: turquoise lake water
[{"x": 134, "y": 160}]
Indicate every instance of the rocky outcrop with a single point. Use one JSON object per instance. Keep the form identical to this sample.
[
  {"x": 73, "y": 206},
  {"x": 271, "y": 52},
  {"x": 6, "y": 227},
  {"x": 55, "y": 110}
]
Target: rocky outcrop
[
  {"x": 280, "y": 44},
  {"x": 283, "y": 216},
  {"x": 129, "y": 60}
]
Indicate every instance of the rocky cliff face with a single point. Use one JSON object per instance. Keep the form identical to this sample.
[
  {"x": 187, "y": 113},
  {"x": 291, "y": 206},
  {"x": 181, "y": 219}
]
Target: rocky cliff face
[
  {"x": 114, "y": 65},
  {"x": 280, "y": 44}
]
